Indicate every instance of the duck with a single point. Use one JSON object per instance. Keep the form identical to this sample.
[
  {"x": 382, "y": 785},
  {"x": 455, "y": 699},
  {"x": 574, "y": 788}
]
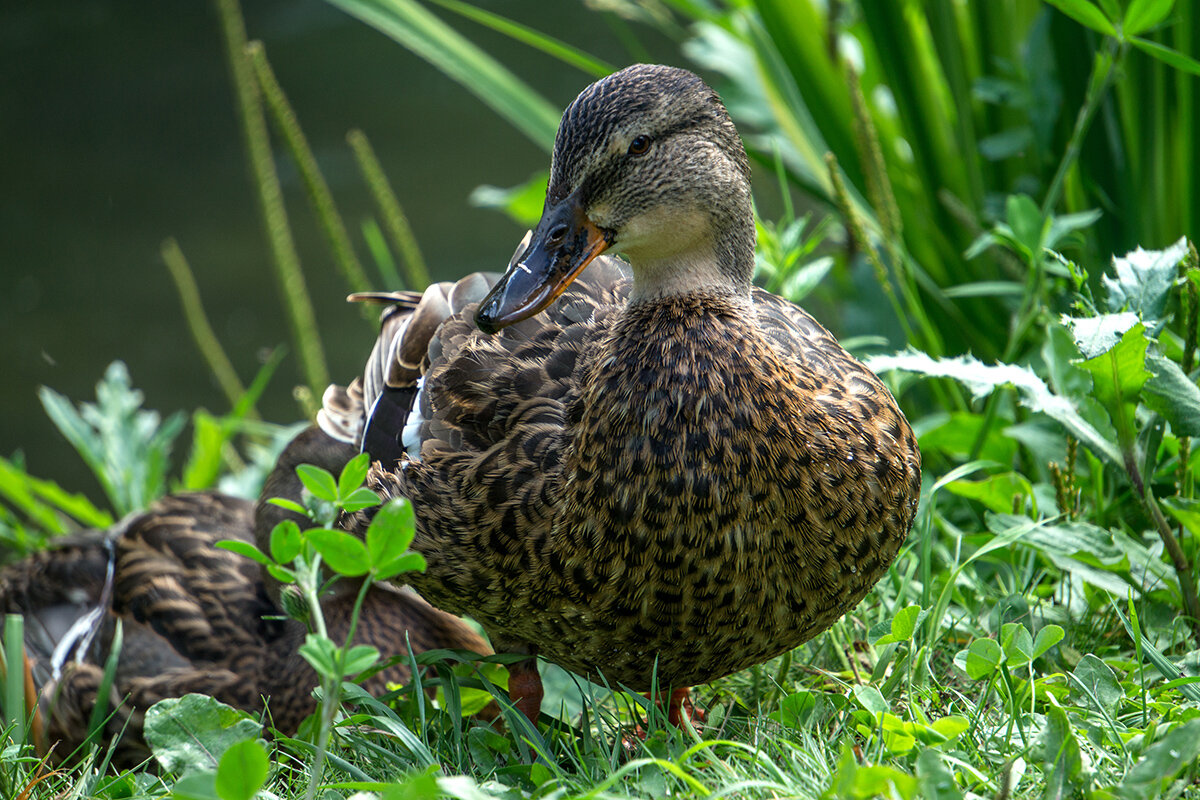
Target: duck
[
  {"x": 195, "y": 618},
  {"x": 644, "y": 470}
]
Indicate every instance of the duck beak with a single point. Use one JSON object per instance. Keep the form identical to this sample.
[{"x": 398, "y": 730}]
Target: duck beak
[{"x": 564, "y": 242}]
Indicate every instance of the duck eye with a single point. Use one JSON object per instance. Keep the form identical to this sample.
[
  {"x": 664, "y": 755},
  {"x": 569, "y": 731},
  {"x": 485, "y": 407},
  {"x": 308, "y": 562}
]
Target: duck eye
[{"x": 639, "y": 145}]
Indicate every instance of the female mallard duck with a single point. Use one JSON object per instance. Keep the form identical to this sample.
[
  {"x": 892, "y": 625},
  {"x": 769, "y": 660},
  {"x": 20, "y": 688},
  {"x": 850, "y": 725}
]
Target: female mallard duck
[
  {"x": 195, "y": 618},
  {"x": 679, "y": 472}
]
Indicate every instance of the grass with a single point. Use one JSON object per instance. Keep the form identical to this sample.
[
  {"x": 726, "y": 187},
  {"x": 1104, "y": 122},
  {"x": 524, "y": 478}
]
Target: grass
[{"x": 975, "y": 167}]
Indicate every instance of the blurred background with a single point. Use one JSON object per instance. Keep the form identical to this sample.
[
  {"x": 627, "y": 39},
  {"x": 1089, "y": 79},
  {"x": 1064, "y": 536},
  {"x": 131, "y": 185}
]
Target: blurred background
[{"x": 119, "y": 129}]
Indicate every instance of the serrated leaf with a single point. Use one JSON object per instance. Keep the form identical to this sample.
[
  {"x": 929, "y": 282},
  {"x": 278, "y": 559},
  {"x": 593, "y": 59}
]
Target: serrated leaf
[
  {"x": 1119, "y": 374},
  {"x": 353, "y": 475},
  {"x": 390, "y": 532},
  {"x": 344, "y": 553},
  {"x": 318, "y": 482},
  {"x": 242, "y": 771},
  {"x": 192, "y": 732},
  {"x": 1085, "y": 14},
  {"x": 1095, "y": 336},
  {"x": 982, "y": 379},
  {"x": 286, "y": 541},
  {"x": 1142, "y": 281},
  {"x": 1173, "y": 395},
  {"x": 245, "y": 549}
]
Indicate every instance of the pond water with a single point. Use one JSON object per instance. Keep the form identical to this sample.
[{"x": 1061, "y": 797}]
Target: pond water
[{"x": 119, "y": 130}]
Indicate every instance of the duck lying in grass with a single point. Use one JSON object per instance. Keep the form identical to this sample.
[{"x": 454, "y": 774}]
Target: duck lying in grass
[
  {"x": 651, "y": 471},
  {"x": 195, "y": 618}
]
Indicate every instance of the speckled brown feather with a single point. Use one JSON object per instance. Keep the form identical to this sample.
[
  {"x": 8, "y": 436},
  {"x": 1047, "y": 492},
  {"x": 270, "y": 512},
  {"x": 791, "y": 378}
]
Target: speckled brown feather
[
  {"x": 686, "y": 471},
  {"x": 197, "y": 618}
]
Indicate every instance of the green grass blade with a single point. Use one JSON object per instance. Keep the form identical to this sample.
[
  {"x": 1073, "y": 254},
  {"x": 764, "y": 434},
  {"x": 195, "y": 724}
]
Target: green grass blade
[{"x": 433, "y": 40}]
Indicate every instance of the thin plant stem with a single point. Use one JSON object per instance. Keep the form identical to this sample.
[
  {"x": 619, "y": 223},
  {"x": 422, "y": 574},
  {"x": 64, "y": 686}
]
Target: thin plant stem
[
  {"x": 416, "y": 276},
  {"x": 201, "y": 329},
  {"x": 284, "y": 117},
  {"x": 302, "y": 319}
]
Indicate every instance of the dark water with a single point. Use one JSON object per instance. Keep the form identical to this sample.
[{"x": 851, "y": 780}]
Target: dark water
[{"x": 118, "y": 130}]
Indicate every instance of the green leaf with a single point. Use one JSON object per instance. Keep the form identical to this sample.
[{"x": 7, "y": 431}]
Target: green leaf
[
  {"x": 192, "y": 732},
  {"x": 1119, "y": 374},
  {"x": 353, "y": 475},
  {"x": 196, "y": 786},
  {"x": 433, "y": 40},
  {"x": 1173, "y": 395},
  {"x": 345, "y": 553},
  {"x": 318, "y": 482},
  {"x": 1060, "y": 227},
  {"x": 290, "y": 505},
  {"x": 390, "y": 532},
  {"x": 1142, "y": 15},
  {"x": 409, "y": 562},
  {"x": 1166, "y": 55},
  {"x": 1061, "y": 759},
  {"x": 995, "y": 491},
  {"x": 522, "y": 203},
  {"x": 242, "y": 771},
  {"x": 358, "y": 658},
  {"x": 359, "y": 499},
  {"x": 1085, "y": 14},
  {"x": 1046, "y": 638},
  {"x": 904, "y": 625},
  {"x": 1017, "y": 644},
  {"x": 321, "y": 653},
  {"x": 1143, "y": 281},
  {"x": 937, "y": 780},
  {"x": 1162, "y": 761},
  {"x": 983, "y": 657},
  {"x": 1095, "y": 336},
  {"x": 1096, "y": 685},
  {"x": 1026, "y": 222},
  {"x": 244, "y": 549},
  {"x": 871, "y": 699},
  {"x": 286, "y": 541}
]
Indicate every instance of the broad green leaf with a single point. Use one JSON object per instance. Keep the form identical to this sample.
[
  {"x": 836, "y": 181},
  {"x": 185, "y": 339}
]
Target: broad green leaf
[
  {"x": 196, "y": 786},
  {"x": 242, "y": 771},
  {"x": 244, "y": 549},
  {"x": 937, "y": 779},
  {"x": 1060, "y": 227},
  {"x": 1017, "y": 644},
  {"x": 996, "y": 492},
  {"x": 796, "y": 710},
  {"x": 983, "y": 657},
  {"x": 359, "y": 499},
  {"x": 871, "y": 699},
  {"x": 1062, "y": 762},
  {"x": 1173, "y": 395},
  {"x": 1119, "y": 374},
  {"x": 1142, "y": 15},
  {"x": 192, "y": 732},
  {"x": 1166, "y": 55},
  {"x": 290, "y": 505},
  {"x": 904, "y": 624},
  {"x": 982, "y": 379},
  {"x": 1046, "y": 638},
  {"x": 358, "y": 658},
  {"x": 1162, "y": 761},
  {"x": 318, "y": 482},
  {"x": 1026, "y": 222},
  {"x": 1143, "y": 281},
  {"x": 390, "y": 532},
  {"x": 345, "y": 553},
  {"x": 409, "y": 562},
  {"x": 424, "y": 34},
  {"x": 321, "y": 654},
  {"x": 1096, "y": 685},
  {"x": 286, "y": 541},
  {"x": 353, "y": 475},
  {"x": 1085, "y": 14}
]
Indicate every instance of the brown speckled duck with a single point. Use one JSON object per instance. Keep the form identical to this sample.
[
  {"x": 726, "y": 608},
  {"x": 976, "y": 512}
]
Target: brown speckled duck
[
  {"x": 676, "y": 471},
  {"x": 195, "y": 618}
]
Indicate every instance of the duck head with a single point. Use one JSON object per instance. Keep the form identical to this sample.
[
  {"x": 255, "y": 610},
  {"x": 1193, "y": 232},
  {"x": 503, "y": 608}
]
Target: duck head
[{"x": 646, "y": 163}]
